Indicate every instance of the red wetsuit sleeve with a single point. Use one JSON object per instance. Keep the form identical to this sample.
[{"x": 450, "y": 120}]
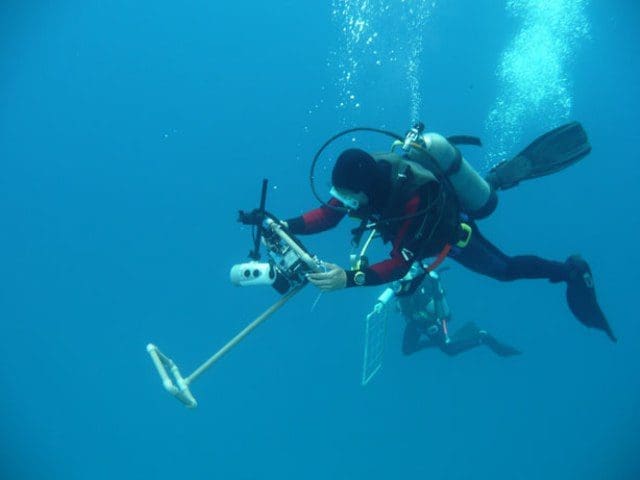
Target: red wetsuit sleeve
[
  {"x": 317, "y": 220},
  {"x": 398, "y": 265}
]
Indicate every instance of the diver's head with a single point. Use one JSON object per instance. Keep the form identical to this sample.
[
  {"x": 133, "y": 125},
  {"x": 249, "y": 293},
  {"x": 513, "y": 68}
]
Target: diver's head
[{"x": 358, "y": 180}]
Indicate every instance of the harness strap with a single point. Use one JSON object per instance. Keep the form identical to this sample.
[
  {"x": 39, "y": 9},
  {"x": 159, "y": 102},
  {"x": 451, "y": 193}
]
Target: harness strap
[
  {"x": 463, "y": 242},
  {"x": 455, "y": 165}
]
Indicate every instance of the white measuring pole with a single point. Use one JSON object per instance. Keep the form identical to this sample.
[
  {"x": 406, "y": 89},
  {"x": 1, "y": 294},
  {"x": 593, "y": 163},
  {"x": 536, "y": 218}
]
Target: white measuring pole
[
  {"x": 238, "y": 338},
  {"x": 172, "y": 379},
  {"x": 177, "y": 385}
]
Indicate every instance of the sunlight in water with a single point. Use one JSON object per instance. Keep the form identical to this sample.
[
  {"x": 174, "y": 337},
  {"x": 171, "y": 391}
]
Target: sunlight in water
[{"x": 533, "y": 80}]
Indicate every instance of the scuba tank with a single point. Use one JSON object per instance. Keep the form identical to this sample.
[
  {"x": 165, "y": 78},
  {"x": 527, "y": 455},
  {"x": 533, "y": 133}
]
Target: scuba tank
[
  {"x": 435, "y": 153},
  {"x": 476, "y": 197}
]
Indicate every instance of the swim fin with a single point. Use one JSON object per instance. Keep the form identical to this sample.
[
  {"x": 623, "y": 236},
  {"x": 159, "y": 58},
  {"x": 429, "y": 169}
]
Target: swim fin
[
  {"x": 581, "y": 296},
  {"x": 547, "y": 154}
]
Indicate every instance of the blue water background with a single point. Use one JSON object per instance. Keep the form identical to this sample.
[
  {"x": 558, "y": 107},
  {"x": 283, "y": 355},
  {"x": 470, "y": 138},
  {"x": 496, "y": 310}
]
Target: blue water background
[{"x": 131, "y": 132}]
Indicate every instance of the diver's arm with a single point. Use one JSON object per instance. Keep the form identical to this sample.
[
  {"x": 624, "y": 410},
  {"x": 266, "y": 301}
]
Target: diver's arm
[
  {"x": 317, "y": 220},
  {"x": 412, "y": 340},
  {"x": 380, "y": 273},
  {"x": 336, "y": 278},
  {"x": 401, "y": 259}
]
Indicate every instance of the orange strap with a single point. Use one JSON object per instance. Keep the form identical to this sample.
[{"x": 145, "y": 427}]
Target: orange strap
[{"x": 440, "y": 258}]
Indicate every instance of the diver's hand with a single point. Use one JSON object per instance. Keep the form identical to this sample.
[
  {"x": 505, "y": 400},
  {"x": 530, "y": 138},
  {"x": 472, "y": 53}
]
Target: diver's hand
[{"x": 335, "y": 278}]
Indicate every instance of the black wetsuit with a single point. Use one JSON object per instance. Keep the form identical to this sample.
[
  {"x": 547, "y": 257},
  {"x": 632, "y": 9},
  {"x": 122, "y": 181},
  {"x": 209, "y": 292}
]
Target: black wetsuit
[
  {"x": 483, "y": 257},
  {"x": 480, "y": 255}
]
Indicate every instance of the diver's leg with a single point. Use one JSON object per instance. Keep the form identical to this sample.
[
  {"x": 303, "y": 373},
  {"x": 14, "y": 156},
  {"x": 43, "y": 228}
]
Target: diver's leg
[
  {"x": 411, "y": 339},
  {"x": 498, "y": 347},
  {"x": 466, "y": 338},
  {"x": 411, "y": 342},
  {"x": 483, "y": 257},
  {"x": 455, "y": 347},
  {"x": 470, "y": 336}
]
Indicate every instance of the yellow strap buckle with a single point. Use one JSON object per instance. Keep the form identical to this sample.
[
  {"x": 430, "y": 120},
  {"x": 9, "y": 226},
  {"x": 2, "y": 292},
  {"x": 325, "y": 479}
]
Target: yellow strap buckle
[{"x": 468, "y": 231}]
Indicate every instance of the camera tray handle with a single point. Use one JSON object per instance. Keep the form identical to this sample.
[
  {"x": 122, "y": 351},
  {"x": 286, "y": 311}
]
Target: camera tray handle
[{"x": 314, "y": 264}]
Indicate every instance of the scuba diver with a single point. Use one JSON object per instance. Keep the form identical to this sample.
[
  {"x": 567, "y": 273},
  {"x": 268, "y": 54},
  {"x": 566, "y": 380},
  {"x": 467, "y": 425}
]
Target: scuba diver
[
  {"x": 420, "y": 298},
  {"x": 425, "y": 199}
]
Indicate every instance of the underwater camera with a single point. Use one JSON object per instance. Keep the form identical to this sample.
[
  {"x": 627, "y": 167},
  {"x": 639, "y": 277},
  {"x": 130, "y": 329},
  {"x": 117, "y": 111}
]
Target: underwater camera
[
  {"x": 283, "y": 270},
  {"x": 288, "y": 263}
]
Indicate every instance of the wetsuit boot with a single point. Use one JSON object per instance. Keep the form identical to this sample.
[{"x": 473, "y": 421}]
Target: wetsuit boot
[{"x": 581, "y": 296}]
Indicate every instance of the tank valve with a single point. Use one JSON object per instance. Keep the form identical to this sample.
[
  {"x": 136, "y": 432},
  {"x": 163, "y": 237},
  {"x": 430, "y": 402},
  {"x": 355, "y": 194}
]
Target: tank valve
[{"x": 413, "y": 135}]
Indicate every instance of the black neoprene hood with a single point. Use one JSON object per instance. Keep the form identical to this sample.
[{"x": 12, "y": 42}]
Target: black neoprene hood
[
  {"x": 358, "y": 171},
  {"x": 354, "y": 170}
]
